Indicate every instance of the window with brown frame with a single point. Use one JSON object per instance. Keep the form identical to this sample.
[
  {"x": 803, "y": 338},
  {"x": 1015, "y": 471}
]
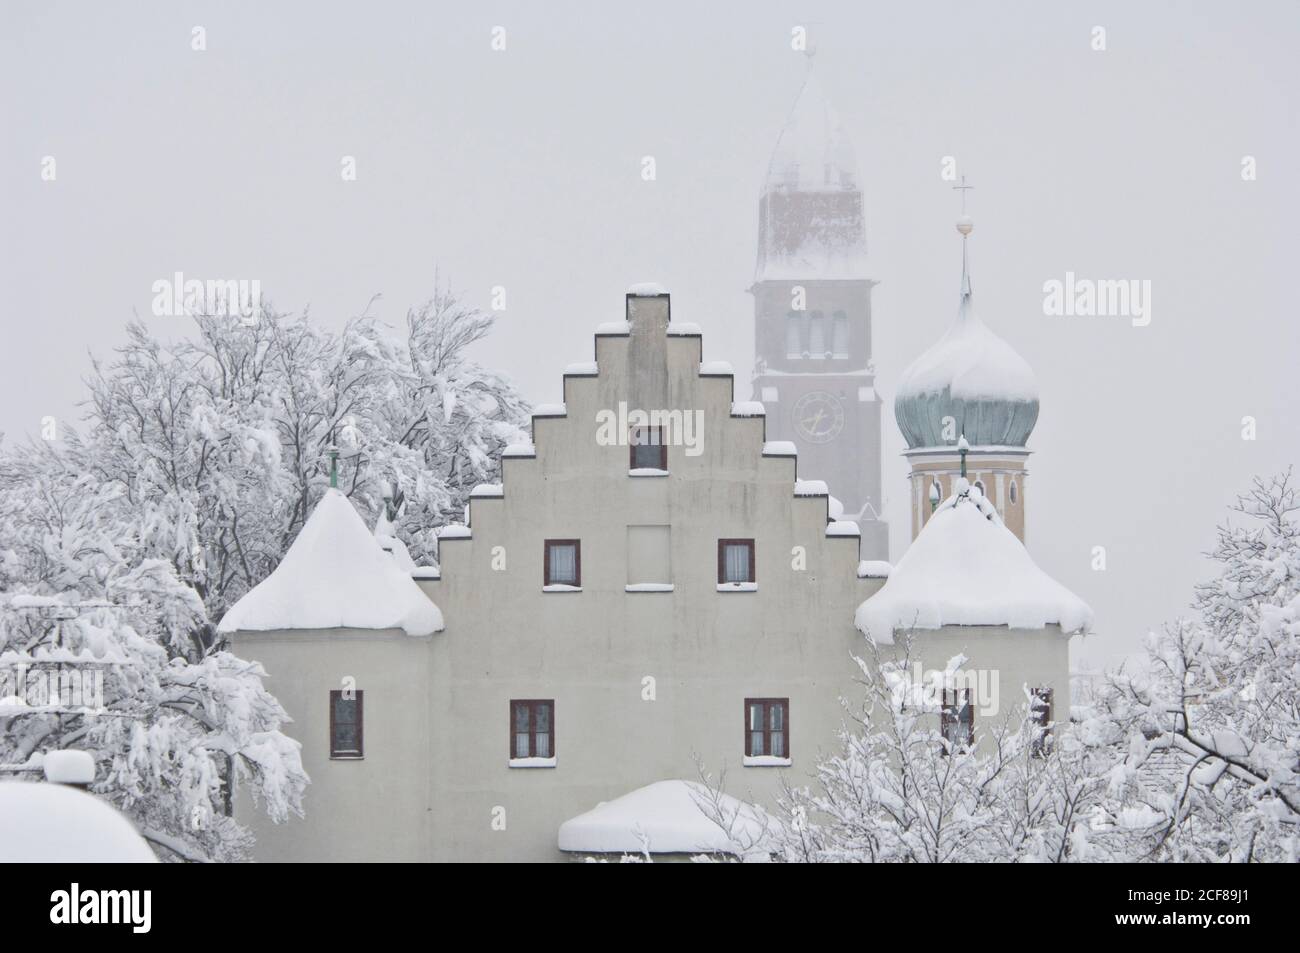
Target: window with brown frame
[
  {"x": 957, "y": 718},
  {"x": 562, "y": 563},
  {"x": 647, "y": 449},
  {"x": 735, "y": 561},
  {"x": 1040, "y": 715},
  {"x": 532, "y": 728},
  {"x": 767, "y": 727},
  {"x": 346, "y": 724}
]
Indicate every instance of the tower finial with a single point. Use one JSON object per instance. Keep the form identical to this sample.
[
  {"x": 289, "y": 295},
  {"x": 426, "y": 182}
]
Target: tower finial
[{"x": 965, "y": 225}]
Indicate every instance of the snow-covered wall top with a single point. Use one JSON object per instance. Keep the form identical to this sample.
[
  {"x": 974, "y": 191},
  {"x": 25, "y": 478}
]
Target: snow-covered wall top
[
  {"x": 335, "y": 575},
  {"x": 966, "y": 568}
]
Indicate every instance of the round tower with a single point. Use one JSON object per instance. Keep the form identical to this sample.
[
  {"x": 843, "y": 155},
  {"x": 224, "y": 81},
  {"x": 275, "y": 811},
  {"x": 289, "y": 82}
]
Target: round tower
[{"x": 966, "y": 407}]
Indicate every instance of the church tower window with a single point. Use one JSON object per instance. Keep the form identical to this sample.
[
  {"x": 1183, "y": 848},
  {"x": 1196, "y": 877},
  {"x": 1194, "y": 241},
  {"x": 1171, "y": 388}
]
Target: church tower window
[
  {"x": 793, "y": 335},
  {"x": 840, "y": 335},
  {"x": 816, "y": 336}
]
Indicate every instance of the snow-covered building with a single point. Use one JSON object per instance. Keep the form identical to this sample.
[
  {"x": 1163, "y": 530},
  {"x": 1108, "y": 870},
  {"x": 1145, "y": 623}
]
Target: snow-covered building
[
  {"x": 812, "y": 312},
  {"x": 650, "y": 564}
]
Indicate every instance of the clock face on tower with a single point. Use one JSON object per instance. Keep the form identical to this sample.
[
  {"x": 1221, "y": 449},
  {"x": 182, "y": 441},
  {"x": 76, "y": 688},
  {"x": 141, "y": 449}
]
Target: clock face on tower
[{"x": 818, "y": 417}]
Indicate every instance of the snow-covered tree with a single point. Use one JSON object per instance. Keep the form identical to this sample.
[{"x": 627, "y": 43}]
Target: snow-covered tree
[
  {"x": 1219, "y": 699},
  {"x": 125, "y": 542},
  {"x": 899, "y": 790}
]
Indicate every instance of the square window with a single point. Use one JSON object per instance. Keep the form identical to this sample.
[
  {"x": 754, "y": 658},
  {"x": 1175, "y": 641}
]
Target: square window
[
  {"x": 532, "y": 728},
  {"x": 345, "y": 724},
  {"x": 648, "y": 449},
  {"x": 735, "y": 561},
  {"x": 562, "y": 563},
  {"x": 767, "y": 728}
]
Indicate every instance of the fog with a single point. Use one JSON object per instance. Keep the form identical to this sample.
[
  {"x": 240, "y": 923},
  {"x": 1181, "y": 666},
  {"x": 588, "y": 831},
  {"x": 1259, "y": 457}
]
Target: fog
[{"x": 521, "y": 168}]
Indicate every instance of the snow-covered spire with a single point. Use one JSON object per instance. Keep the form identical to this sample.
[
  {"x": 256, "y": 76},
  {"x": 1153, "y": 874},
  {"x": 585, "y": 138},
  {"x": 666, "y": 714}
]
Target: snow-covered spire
[
  {"x": 811, "y": 220},
  {"x": 813, "y": 153},
  {"x": 971, "y": 376}
]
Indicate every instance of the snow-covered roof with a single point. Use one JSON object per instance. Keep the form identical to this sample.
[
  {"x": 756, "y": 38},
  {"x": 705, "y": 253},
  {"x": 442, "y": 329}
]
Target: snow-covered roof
[
  {"x": 52, "y": 823},
  {"x": 335, "y": 575},
  {"x": 748, "y": 408},
  {"x": 667, "y": 817},
  {"x": 780, "y": 448},
  {"x": 843, "y": 528},
  {"x": 966, "y": 568},
  {"x": 712, "y": 368}
]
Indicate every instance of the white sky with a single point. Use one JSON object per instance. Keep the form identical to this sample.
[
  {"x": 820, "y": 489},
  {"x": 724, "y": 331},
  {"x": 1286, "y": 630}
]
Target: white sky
[{"x": 522, "y": 168}]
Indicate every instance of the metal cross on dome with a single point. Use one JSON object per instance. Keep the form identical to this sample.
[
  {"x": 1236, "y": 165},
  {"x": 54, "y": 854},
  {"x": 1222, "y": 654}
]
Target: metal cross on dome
[{"x": 963, "y": 188}]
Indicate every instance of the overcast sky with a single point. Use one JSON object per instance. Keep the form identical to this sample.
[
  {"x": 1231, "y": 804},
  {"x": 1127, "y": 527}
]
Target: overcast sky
[{"x": 521, "y": 168}]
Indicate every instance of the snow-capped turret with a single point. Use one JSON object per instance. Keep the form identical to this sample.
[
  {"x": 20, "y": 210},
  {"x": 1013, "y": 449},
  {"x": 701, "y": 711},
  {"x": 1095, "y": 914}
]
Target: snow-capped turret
[
  {"x": 972, "y": 376},
  {"x": 966, "y": 568},
  {"x": 335, "y": 575}
]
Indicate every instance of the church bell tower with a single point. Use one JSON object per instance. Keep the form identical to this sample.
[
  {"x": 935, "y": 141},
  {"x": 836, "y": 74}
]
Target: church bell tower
[{"x": 812, "y": 314}]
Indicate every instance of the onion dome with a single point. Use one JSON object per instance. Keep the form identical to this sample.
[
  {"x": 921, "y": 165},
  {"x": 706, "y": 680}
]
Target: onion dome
[{"x": 972, "y": 376}]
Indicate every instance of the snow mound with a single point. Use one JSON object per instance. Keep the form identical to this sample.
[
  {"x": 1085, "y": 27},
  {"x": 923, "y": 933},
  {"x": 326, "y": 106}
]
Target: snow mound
[
  {"x": 50, "y": 823},
  {"x": 966, "y": 568},
  {"x": 582, "y": 369},
  {"x": 780, "y": 448},
  {"x": 69, "y": 767},
  {"x": 335, "y": 575},
  {"x": 972, "y": 363},
  {"x": 843, "y": 528},
  {"x": 683, "y": 329},
  {"x": 667, "y": 817},
  {"x": 709, "y": 368},
  {"x": 550, "y": 410},
  {"x": 811, "y": 488},
  {"x": 748, "y": 408},
  {"x": 614, "y": 327},
  {"x": 874, "y": 569}
]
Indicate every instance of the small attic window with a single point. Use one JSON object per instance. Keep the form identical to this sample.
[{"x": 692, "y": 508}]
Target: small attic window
[{"x": 648, "y": 449}]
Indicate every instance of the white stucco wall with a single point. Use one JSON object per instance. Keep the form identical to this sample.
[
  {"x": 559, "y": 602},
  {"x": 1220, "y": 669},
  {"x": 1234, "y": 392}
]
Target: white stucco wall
[{"x": 436, "y": 782}]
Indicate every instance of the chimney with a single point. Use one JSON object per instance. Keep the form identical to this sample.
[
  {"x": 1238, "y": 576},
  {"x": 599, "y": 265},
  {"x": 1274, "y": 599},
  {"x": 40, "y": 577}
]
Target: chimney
[{"x": 648, "y": 311}]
